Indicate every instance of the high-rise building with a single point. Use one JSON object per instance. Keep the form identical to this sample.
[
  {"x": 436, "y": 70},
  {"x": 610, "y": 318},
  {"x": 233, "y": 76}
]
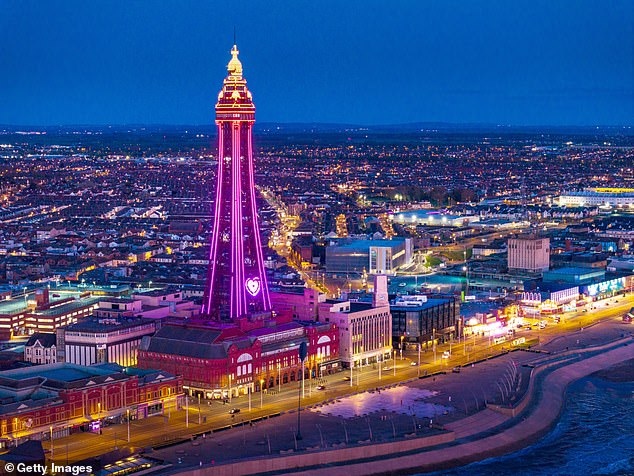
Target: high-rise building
[
  {"x": 236, "y": 281},
  {"x": 529, "y": 253}
]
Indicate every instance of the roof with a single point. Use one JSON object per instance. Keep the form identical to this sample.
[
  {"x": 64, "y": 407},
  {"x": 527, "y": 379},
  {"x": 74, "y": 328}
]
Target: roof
[
  {"x": 287, "y": 326},
  {"x": 45, "y": 339},
  {"x": 364, "y": 244},
  {"x": 431, "y": 302},
  {"x": 28, "y": 452},
  {"x": 105, "y": 324},
  {"x": 574, "y": 271},
  {"x": 193, "y": 342},
  {"x": 68, "y": 307}
]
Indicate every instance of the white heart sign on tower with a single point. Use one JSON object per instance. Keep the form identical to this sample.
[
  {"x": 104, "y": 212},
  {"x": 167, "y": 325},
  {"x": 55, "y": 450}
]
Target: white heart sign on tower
[{"x": 253, "y": 286}]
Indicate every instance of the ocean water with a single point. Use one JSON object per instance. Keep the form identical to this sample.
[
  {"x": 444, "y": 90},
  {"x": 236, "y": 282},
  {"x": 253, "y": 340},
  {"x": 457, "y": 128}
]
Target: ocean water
[{"x": 594, "y": 436}]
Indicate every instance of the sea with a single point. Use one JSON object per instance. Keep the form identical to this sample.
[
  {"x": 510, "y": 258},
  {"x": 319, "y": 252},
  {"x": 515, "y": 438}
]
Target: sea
[{"x": 594, "y": 436}]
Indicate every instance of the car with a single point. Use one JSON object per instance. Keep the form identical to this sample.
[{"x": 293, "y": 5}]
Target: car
[
  {"x": 456, "y": 370},
  {"x": 347, "y": 378},
  {"x": 321, "y": 387},
  {"x": 387, "y": 369},
  {"x": 233, "y": 411},
  {"x": 414, "y": 364},
  {"x": 446, "y": 354},
  {"x": 542, "y": 325}
]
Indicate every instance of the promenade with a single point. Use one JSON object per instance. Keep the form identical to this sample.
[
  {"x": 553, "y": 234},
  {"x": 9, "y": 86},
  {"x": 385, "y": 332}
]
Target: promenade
[{"x": 481, "y": 423}]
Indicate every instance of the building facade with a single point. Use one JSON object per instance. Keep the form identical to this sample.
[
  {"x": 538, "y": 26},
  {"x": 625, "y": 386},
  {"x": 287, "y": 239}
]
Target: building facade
[
  {"x": 418, "y": 319},
  {"x": 41, "y": 348},
  {"x": 63, "y": 398},
  {"x": 598, "y": 197},
  {"x": 365, "y": 332},
  {"x": 529, "y": 254},
  {"x": 224, "y": 361},
  {"x": 103, "y": 340},
  {"x": 372, "y": 256}
]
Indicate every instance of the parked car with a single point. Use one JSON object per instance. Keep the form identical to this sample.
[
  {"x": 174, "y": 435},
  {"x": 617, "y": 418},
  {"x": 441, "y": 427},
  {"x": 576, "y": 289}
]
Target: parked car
[
  {"x": 233, "y": 411},
  {"x": 321, "y": 387},
  {"x": 456, "y": 370}
]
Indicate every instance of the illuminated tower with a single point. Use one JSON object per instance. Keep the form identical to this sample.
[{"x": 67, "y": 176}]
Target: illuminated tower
[{"x": 236, "y": 281}]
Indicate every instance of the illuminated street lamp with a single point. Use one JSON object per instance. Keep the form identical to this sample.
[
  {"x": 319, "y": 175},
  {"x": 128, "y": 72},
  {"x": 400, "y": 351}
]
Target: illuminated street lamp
[
  {"x": 401, "y": 346},
  {"x": 303, "y": 352},
  {"x": 261, "y": 393},
  {"x": 394, "y": 358}
]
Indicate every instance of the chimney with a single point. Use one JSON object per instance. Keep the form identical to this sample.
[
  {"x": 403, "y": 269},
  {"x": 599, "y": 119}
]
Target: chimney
[{"x": 380, "y": 296}]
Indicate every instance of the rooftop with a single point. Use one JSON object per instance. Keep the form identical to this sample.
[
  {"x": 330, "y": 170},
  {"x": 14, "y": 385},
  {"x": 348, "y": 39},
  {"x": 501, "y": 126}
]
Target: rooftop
[{"x": 105, "y": 324}]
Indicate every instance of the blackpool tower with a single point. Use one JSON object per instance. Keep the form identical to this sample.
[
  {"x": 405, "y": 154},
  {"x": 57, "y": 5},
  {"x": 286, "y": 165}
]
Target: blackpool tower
[{"x": 236, "y": 285}]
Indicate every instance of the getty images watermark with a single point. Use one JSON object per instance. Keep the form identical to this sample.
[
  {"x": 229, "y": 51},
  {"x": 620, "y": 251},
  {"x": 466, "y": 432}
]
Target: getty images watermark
[{"x": 37, "y": 468}]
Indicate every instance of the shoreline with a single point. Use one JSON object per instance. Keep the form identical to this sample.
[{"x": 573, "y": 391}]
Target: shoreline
[{"x": 542, "y": 407}]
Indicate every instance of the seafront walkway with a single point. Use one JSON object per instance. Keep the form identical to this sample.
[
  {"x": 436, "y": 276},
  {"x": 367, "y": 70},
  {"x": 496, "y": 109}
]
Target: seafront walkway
[{"x": 496, "y": 430}]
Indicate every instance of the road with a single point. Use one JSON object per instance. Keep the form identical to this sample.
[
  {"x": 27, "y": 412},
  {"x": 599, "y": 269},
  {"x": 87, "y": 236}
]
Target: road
[{"x": 213, "y": 414}]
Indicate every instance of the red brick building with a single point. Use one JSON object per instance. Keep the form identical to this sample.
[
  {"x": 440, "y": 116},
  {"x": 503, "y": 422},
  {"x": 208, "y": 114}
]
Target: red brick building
[
  {"x": 217, "y": 360},
  {"x": 64, "y": 397}
]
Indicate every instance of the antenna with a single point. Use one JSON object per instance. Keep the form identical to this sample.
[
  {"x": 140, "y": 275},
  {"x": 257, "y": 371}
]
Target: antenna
[{"x": 234, "y": 35}]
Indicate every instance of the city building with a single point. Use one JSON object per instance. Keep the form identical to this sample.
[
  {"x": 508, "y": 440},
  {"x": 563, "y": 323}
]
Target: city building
[
  {"x": 236, "y": 282},
  {"x": 63, "y": 398},
  {"x": 365, "y": 329},
  {"x": 598, "y": 197},
  {"x": 371, "y": 256},
  {"x": 419, "y": 319},
  {"x": 42, "y": 311},
  {"x": 433, "y": 218},
  {"x": 41, "y": 348},
  {"x": 103, "y": 340},
  {"x": 529, "y": 253},
  {"x": 300, "y": 303},
  {"x": 224, "y": 361},
  {"x": 574, "y": 275}
]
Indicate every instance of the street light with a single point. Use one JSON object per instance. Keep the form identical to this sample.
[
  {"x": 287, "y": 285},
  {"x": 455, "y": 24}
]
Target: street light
[
  {"x": 303, "y": 352},
  {"x": 418, "y": 368},
  {"x": 401, "y": 345},
  {"x": 261, "y": 393},
  {"x": 51, "y": 428},
  {"x": 127, "y": 411},
  {"x": 394, "y": 359}
]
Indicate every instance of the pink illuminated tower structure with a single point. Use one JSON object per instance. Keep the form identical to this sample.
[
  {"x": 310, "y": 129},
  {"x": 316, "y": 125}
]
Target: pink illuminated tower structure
[{"x": 236, "y": 280}]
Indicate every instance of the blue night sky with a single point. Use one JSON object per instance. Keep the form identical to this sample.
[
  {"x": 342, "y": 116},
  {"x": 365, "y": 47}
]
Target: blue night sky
[{"x": 515, "y": 62}]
